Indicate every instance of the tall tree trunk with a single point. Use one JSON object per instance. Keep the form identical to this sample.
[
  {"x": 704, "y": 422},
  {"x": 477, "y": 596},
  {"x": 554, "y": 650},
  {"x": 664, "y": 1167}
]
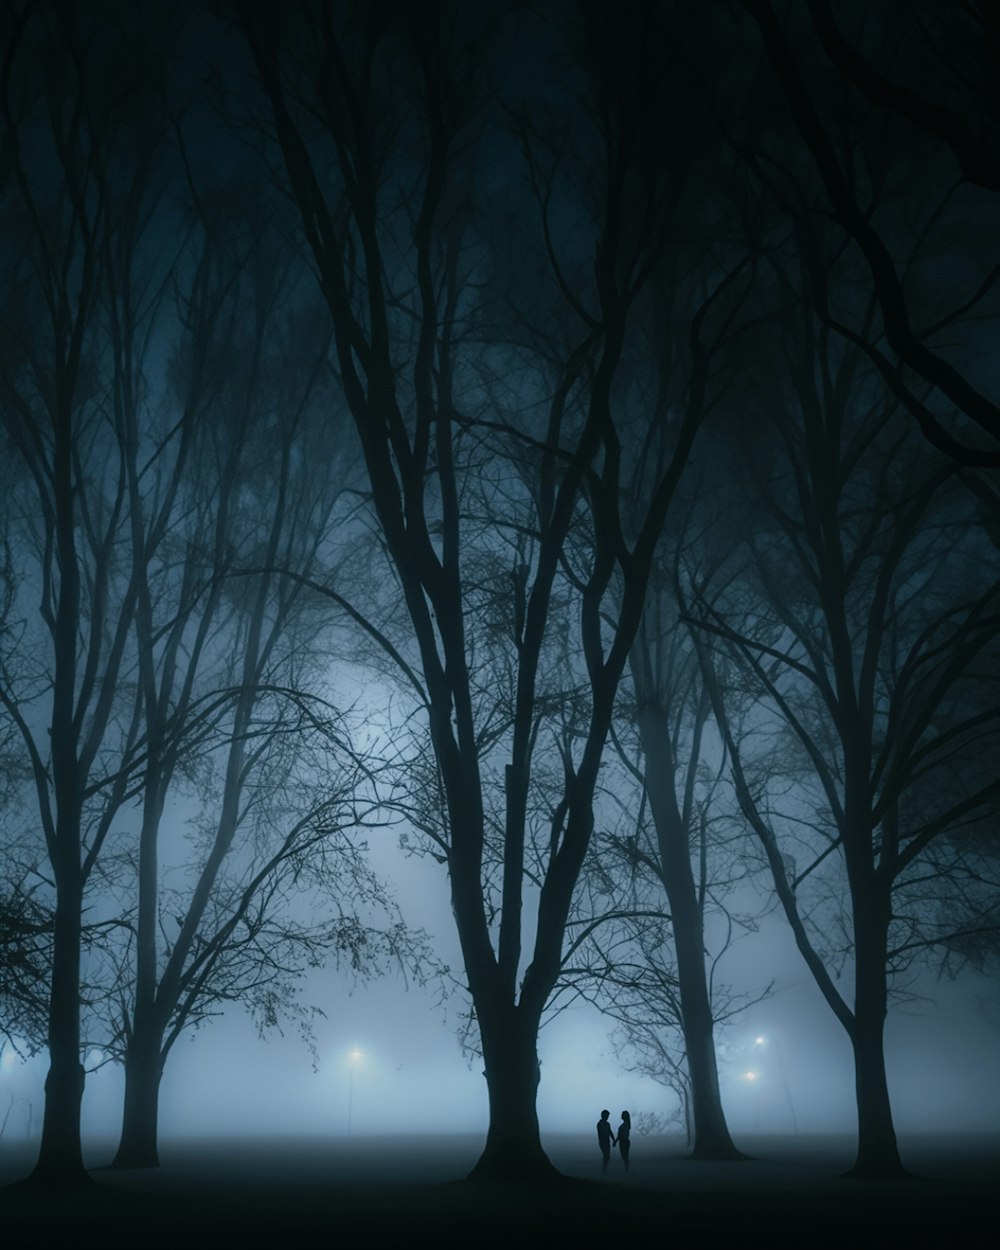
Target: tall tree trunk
[
  {"x": 878, "y": 1154},
  {"x": 60, "y": 1158},
  {"x": 137, "y": 1147},
  {"x": 143, "y": 1063},
  {"x": 711, "y": 1132},
  {"x": 711, "y": 1139},
  {"x": 513, "y": 1148}
]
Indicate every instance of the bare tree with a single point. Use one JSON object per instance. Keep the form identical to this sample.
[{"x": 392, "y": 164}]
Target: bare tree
[
  {"x": 81, "y": 127},
  {"x": 673, "y": 718},
  {"x": 865, "y": 621},
  {"x": 229, "y": 684},
  {"x": 144, "y": 513},
  {"x": 386, "y": 194},
  {"x": 669, "y": 864}
]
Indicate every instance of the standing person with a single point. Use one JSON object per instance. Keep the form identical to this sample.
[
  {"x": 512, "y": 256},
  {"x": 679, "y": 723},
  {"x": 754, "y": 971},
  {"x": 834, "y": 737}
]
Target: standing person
[
  {"x": 624, "y": 1133},
  {"x": 605, "y": 1138}
]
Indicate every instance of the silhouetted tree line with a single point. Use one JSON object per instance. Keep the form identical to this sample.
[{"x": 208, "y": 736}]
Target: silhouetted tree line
[{"x": 611, "y": 385}]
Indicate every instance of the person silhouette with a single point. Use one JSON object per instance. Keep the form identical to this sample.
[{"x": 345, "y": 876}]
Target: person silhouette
[
  {"x": 624, "y": 1133},
  {"x": 605, "y": 1138}
]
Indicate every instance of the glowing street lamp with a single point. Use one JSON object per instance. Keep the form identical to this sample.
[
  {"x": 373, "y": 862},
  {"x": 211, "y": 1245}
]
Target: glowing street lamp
[{"x": 778, "y": 1063}]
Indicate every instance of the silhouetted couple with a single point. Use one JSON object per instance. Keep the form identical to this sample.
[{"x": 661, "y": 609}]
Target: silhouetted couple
[{"x": 606, "y": 1139}]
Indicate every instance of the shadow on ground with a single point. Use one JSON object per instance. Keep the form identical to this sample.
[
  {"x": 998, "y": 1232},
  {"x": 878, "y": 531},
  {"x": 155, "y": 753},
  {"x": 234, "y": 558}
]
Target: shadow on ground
[{"x": 406, "y": 1189}]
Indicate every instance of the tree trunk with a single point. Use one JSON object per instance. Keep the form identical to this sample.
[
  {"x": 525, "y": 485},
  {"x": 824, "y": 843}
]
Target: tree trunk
[
  {"x": 513, "y": 1148},
  {"x": 137, "y": 1147},
  {"x": 711, "y": 1133},
  {"x": 878, "y": 1155},
  {"x": 60, "y": 1157},
  {"x": 143, "y": 1062},
  {"x": 688, "y": 1119},
  {"x": 711, "y": 1139}
]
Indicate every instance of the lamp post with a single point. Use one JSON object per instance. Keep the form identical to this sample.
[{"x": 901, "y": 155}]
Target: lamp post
[
  {"x": 760, "y": 1042},
  {"x": 751, "y": 1077},
  {"x": 354, "y": 1058}
]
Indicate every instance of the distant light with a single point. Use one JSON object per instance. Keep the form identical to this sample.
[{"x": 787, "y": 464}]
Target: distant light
[
  {"x": 356, "y": 1054},
  {"x": 751, "y": 1076},
  {"x": 758, "y": 1041}
]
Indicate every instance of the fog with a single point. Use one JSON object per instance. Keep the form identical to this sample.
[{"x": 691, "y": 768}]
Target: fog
[
  {"x": 388, "y": 1061},
  {"x": 498, "y": 562}
]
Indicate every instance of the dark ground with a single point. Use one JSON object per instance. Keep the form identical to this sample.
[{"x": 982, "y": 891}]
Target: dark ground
[{"x": 405, "y": 1190}]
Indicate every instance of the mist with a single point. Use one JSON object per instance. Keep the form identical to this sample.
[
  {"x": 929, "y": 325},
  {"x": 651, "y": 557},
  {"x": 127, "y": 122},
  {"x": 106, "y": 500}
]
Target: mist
[
  {"x": 388, "y": 1061},
  {"x": 500, "y": 615}
]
